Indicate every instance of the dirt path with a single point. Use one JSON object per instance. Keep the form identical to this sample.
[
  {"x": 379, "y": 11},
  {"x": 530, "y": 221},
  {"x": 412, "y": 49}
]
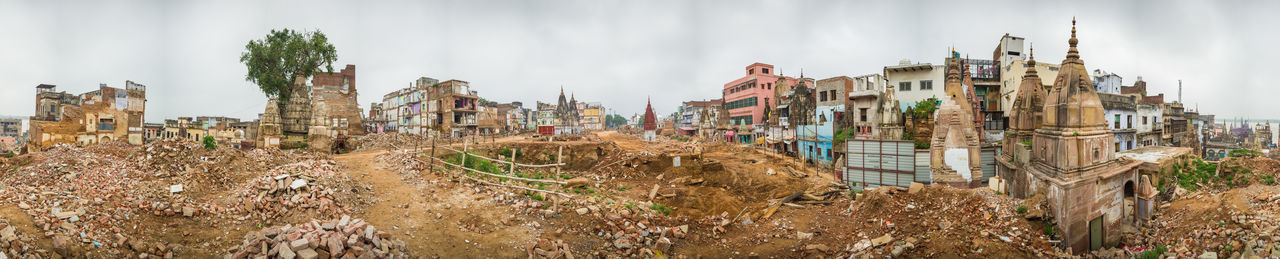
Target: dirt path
[{"x": 435, "y": 220}]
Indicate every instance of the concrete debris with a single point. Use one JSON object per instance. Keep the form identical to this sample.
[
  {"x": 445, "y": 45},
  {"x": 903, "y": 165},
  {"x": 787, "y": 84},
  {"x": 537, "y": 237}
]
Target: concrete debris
[{"x": 356, "y": 239}]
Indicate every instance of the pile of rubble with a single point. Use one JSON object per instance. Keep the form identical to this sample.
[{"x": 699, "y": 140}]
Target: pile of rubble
[
  {"x": 406, "y": 163},
  {"x": 626, "y": 230},
  {"x": 74, "y": 192},
  {"x": 170, "y": 156},
  {"x": 310, "y": 185},
  {"x": 16, "y": 244},
  {"x": 1233, "y": 224},
  {"x": 337, "y": 238},
  {"x": 390, "y": 141},
  {"x": 935, "y": 215}
]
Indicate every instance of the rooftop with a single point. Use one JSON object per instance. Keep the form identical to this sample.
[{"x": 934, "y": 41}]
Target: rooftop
[{"x": 1154, "y": 154}]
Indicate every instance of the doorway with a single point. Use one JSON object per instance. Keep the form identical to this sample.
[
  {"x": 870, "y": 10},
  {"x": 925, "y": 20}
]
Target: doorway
[{"x": 1095, "y": 233}]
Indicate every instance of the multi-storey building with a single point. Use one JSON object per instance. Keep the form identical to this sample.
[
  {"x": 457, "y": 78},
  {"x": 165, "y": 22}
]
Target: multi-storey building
[
  {"x": 746, "y": 99},
  {"x": 913, "y": 83},
  {"x": 862, "y": 114},
  {"x": 103, "y": 115},
  {"x": 816, "y": 137},
  {"x": 592, "y": 115},
  {"x": 1120, "y": 112},
  {"x": 1012, "y": 62},
  {"x": 452, "y": 108},
  {"x": 10, "y": 134},
  {"x": 1148, "y": 123},
  {"x": 693, "y": 115}
]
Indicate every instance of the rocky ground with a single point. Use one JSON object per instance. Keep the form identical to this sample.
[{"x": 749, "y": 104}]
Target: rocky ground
[{"x": 612, "y": 196}]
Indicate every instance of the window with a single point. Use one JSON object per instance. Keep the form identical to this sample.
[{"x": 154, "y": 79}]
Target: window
[
  {"x": 1128, "y": 121},
  {"x": 1144, "y": 120},
  {"x": 1129, "y": 143},
  {"x": 823, "y": 97},
  {"x": 828, "y": 152},
  {"x": 904, "y": 86},
  {"x": 764, "y": 70},
  {"x": 862, "y": 114},
  {"x": 833, "y": 95},
  {"x": 1117, "y": 124},
  {"x": 1117, "y": 146},
  {"x": 926, "y": 84},
  {"x": 751, "y": 71}
]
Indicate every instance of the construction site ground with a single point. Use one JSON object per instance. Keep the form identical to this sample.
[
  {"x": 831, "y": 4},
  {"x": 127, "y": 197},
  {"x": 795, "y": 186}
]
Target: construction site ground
[{"x": 612, "y": 195}]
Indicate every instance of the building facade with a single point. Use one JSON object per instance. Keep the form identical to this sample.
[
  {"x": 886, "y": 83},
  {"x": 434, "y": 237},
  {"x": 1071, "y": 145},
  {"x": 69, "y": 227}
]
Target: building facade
[
  {"x": 104, "y": 115},
  {"x": 747, "y": 98},
  {"x": 913, "y": 83}
]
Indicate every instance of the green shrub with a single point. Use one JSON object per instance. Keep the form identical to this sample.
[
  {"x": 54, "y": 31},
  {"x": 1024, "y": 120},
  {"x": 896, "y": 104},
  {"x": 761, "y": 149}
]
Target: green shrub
[
  {"x": 1022, "y": 209},
  {"x": 925, "y": 108},
  {"x": 1270, "y": 180},
  {"x": 1049, "y": 230},
  {"x": 209, "y": 143},
  {"x": 473, "y": 162},
  {"x": 1240, "y": 152},
  {"x": 660, "y": 208}
]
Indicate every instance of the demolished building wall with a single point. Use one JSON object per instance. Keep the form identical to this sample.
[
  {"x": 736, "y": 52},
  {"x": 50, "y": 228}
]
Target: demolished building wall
[{"x": 104, "y": 115}]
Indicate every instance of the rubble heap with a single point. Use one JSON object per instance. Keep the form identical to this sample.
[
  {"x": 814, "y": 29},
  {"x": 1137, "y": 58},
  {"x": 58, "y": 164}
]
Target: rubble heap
[
  {"x": 390, "y": 141},
  {"x": 1234, "y": 224},
  {"x": 337, "y": 238},
  {"x": 15, "y": 244},
  {"x": 310, "y": 185},
  {"x": 74, "y": 192},
  {"x": 935, "y": 215}
]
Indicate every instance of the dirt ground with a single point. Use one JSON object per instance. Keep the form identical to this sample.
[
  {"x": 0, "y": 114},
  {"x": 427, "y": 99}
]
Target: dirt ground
[
  {"x": 408, "y": 210},
  {"x": 718, "y": 201}
]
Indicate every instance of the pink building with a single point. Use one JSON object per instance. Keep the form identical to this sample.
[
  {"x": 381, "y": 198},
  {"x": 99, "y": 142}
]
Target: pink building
[{"x": 745, "y": 98}]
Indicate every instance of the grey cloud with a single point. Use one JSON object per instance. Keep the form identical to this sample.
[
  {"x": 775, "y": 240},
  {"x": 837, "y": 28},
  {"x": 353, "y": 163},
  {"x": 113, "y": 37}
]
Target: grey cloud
[{"x": 618, "y": 52}]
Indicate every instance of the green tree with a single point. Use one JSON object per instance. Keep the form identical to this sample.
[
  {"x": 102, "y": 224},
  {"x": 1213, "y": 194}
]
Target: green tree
[
  {"x": 275, "y": 61},
  {"x": 209, "y": 143}
]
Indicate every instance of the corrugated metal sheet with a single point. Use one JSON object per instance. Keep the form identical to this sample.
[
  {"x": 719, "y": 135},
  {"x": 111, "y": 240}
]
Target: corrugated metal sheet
[
  {"x": 923, "y": 173},
  {"x": 879, "y": 163}
]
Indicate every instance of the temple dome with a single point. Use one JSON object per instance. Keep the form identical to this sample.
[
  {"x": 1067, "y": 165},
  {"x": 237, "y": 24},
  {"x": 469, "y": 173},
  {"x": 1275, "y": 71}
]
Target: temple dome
[
  {"x": 1028, "y": 106},
  {"x": 1073, "y": 103}
]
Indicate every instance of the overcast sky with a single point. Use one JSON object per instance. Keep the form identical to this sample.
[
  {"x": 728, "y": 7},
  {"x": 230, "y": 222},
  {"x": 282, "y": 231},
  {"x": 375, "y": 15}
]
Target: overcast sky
[{"x": 619, "y": 52}]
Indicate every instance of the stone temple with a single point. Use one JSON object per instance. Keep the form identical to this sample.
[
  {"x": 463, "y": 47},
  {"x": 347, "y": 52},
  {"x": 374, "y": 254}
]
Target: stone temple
[
  {"x": 954, "y": 154},
  {"x": 1071, "y": 160}
]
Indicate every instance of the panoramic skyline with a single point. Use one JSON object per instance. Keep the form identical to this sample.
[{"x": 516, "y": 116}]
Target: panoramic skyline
[{"x": 616, "y": 52}]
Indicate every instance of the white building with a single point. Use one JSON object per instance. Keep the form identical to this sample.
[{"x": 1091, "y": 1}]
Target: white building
[
  {"x": 1120, "y": 112},
  {"x": 1013, "y": 64},
  {"x": 915, "y": 82},
  {"x": 1149, "y": 124},
  {"x": 1106, "y": 82}
]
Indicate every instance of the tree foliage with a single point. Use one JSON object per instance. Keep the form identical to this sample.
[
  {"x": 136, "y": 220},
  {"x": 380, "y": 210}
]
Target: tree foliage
[
  {"x": 274, "y": 61},
  {"x": 210, "y": 143},
  {"x": 614, "y": 121},
  {"x": 925, "y": 108}
]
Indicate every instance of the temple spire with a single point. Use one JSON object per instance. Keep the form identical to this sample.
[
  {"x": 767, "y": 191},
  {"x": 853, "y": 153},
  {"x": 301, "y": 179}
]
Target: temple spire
[
  {"x": 1072, "y": 52},
  {"x": 1031, "y": 63}
]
